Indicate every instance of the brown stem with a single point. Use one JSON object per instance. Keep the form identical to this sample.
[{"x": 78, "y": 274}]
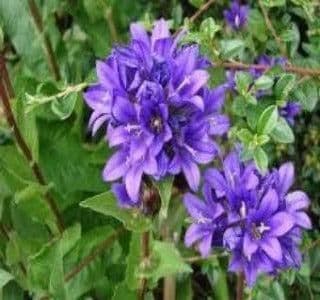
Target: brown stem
[
  {"x": 234, "y": 65},
  {"x": 25, "y": 149},
  {"x": 145, "y": 251},
  {"x": 88, "y": 259},
  {"x": 240, "y": 286},
  {"x": 52, "y": 62},
  {"x": 272, "y": 30},
  {"x": 201, "y": 10}
]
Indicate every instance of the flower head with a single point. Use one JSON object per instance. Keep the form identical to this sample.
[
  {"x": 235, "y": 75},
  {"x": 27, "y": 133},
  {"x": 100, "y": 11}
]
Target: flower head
[
  {"x": 237, "y": 15},
  {"x": 153, "y": 99},
  {"x": 262, "y": 222}
]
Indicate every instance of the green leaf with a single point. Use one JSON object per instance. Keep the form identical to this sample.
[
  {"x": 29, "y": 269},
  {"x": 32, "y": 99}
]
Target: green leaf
[
  {"x": 64, "y": 107},
  {"x": 196, "y": 3},
  {"x": 264, "y": 82},
  {"x": 166, "y": 261},
  {"x": 257, "y": 25},
  {"x": 31, "y": 200},
  {"x": 165, "y": 190},
  {"x": 123, "y": 292},
  {"x": 209, "y": 27},
  {"x": 5, "y": 277},
  {"x": 261, "y": 159},
  {"x": 267, "y": 120},
  {"x": 243, "y": 81},
  {"x": 245, "y": 136},
  {"x": 48, "y": 258},
  {"x": 284, "y": 86},
  {"x": 282, "y": 133},
  {"x": 70, "y": 237},
  {"x": 273, "y": 3},
  {"x": 232, "y": 48},
  {"x": 308, "y": 94},
  {"x": 107, "y": 204},
  {"x": 28, "y": 127}
]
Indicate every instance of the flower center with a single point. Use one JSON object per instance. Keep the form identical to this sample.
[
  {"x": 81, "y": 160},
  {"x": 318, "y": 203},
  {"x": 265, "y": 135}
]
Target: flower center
[
  {"x": 156, "y": 124},
  {"x": 257, "y": 231}
]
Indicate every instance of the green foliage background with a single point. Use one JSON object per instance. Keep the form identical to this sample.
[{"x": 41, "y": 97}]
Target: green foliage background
[{"x": 98, "y": 255}]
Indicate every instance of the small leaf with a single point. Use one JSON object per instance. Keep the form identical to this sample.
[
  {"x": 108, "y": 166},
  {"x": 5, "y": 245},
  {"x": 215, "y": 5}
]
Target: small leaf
[
  {"x": 209, "y": 27},
  {"x": 232, "y": 48},
  {"x": 245, "y": 136},
  {"x": 243, "y": 81},
  {"x": 267, "y": 120},
  {"x": 106, "y": 204},
  {"x": 64, "y": 107},
  {"x": 308, "y": 94},
  {"x": 5, "y": 277},
  {"x": 261, "y": 159},
  {"x": 282, "y": 133},
  {"x": 165, "y": 189},
  {"x": 273, "y": 3},
  {"x": 264, "y": 82},
  {"x": 284, "y": 86},
  {"x": 196, "y": 3},
  {"x": 122, "y": 292}
]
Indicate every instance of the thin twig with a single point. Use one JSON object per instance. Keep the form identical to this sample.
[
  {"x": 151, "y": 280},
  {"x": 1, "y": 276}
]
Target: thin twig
[
  {"x": 52, "y": 61},
  {"x": 25, "y": 148},
  {"x": 145, "y": 251},
  {"x": 272, "y": 30},
  {"x": 92, "y": 256},
  {"x": 240, "y": 286},
  {"x": 234, "y": 65},
  {"x": 201, "y": 10}
]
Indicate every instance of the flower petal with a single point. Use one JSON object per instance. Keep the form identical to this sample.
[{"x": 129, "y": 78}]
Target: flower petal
[
  {"x": 249, "y": 246},
  {"x": 204, "y": 245},
  {"x": 286, "y": 177},
  {"x": 193, "y": 234},
  {"x": 280, "y": 223},
  {"x": 195, "y": 207},
  {"x": 269, "y": 203},
  {"x": 302, "y": 220},
  {"x": 133, "y": 181},
  {"x": 116, "y": 166},
  {"x": 191, "y": 173},
  {"x": 297, "y": 200},
  {"x": 271, "y": 246}
]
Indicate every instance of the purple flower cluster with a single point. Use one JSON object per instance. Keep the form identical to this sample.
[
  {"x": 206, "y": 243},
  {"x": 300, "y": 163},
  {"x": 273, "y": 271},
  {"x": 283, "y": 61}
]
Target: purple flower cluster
[
  {"x": 252, "y": 216},
  {"x": 153, "y": 99},
  {"x": 237, "y": 15}
]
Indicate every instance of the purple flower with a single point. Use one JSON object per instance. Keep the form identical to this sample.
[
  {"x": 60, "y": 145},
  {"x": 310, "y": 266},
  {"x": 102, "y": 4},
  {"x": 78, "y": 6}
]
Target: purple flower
[
  {"x": 153, "y": 99},
  {"x": 290, "y": 111},
  {"x": 208, "y": 223},
  {"x": 260, "y": 221},
  {"x": 237, "y": 15}
]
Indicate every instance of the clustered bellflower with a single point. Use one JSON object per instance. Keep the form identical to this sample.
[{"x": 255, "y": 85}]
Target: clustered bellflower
[
  {"x": 252, "y": 216},
  {"x": 237, "y": 15},
  {"x": 160, "y": 116}
]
